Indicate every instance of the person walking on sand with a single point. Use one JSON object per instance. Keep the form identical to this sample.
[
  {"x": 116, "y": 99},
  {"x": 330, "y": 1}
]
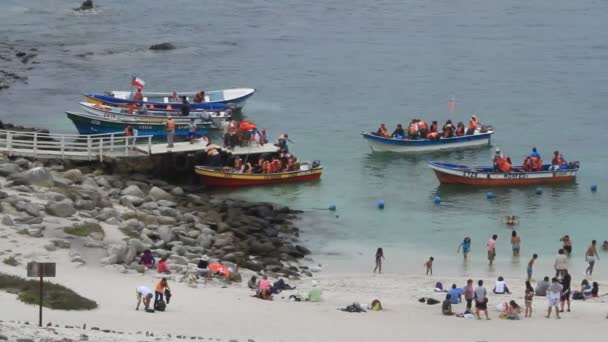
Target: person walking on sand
[
  {"x": 429, "y": 266},
  {"x": 528, "y": 296},
  {"x": 170, "y": 131},
  {"x": 565, "y": 297},
  {"x": 481, "y": 300},
  {"x": 561, "y": 263},
  {"x": 492, "y": 248},
  {"x": 143, "y": 295},
  {"x": 531, "y": 266},
  {"x": 590, "y": 256},
  {"x": 515, "y": 243},
  {"x": 379, "y": 257},
  {"x": 553, "y": 297},
  {"x": 466, "y": 247}
]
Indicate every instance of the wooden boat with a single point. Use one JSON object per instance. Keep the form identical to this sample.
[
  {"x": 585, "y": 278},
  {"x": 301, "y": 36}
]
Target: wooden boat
[
  {"x": 382, "y": 144},
  {"x": 215, "y": 118},
  {"x": 92, "y": 124},
  {"x": 214, "y": 99},
  {"x": 218, "y": 176},
  {"x": 485, "y": 176}
]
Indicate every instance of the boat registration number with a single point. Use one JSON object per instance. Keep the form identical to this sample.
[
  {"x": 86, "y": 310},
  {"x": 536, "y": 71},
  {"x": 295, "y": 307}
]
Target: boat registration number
[
  {"x": 470, "y": 174},
  {"x": 515, "y": 175}
]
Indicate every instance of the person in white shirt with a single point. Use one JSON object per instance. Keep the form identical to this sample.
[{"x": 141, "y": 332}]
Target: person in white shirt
[
  {"x": 501, "y": 286},
  {"x": 145, "y": 295},
  {"x": 561, "y": 263}
]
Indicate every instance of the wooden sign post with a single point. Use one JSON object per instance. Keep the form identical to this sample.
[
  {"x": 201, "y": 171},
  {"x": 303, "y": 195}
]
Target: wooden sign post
[{"x": 40, "y": 269}]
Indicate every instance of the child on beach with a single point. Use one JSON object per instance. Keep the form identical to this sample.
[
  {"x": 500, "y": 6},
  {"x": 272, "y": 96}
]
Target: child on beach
[
  {"x": 553, "y": 297},
  {"x": 515, "y": 243},
  {"x": 529, "y": 296},
  {"x": 162, "y": 266},
  {"x": 466, "y": 247},
  {"x": 429, "y": 266},
  {"x": 379, "y": 257},
  {"x": 147, "y": 259},
  {"x": 531, "y": 265}
]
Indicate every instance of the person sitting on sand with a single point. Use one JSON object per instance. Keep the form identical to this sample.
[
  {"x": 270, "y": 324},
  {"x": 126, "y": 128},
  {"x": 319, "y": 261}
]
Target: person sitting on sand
[
  {"x": 264, "y": 289},
  {"x": 253, "y": 282},
  {"x": 143, "y": 294},
  {"x": 595, "y": 289},
  {"x": 500, "y": 286},
  {"x": 542, "y": 287},
  {"x": 147, "y": 259},
  {"x": 455, "y": 294},
  {"x": 446, "y": 307},
  {"x": 314, "y": 295},
  {"x": 201, "y": 268},
  {"x": 162, "y": 266},
  {"x": 513, "y": 311}
]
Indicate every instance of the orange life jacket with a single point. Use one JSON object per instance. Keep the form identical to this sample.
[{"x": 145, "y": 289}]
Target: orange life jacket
[
  {"x": 170, "y": 125},
  {"x": 503, "y": 164},
  {"x": 422, "y": 125},
  {"x": 138, "y": 96},
  {"x": 473, "y": 124},
  {"x": 276, "y": 165},
  {"x": 537, "y": 163},
  {"x": 559, "y": 160}
]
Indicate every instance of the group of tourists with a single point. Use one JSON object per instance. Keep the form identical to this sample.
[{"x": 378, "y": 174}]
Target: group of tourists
[
  {"x": 419, "y": 129},
  {"x": 533, "y": 162},
  {"x": 264, "y": 289},
  {"x": 162, "y": 296},
  {"x": 244, "y": 133},
  {"x": 277, "y": 163}
]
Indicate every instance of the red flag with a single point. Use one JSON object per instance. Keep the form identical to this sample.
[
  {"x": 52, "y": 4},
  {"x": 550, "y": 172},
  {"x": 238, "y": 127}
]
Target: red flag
[
  {"x": 451, "y": 104},
  {"x": 137, "y": 82}
]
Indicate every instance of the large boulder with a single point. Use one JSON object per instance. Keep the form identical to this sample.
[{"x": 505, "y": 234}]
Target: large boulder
[
  {"x": 132, "y": 226},
  {"x": 9, "y": 169},
  {"x": 75, "y": 175},
  {"x": 35, "y": 176},
  {"x": 64, "y": 208},
  {"x": 165, "y": 203},
  {"x": 7, "y": 221},
  {"x": 158, "y": 194},
  {"x": 166, "y": 211},
  {"x": 28, "y": 207},
  {"x": 166, "y": 234},
  {"x": 133, "y": 190},
  {"x": 116, "y": 254},
  {"x": 107, "y": 213},
  {"x": 131, "y": 200}
]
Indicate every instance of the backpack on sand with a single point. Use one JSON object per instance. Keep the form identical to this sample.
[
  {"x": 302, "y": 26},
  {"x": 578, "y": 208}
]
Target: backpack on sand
[{"x": 160, "y": 305}]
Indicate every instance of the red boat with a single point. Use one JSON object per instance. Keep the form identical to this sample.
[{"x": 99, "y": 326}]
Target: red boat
[
  {"x": 226, "y": 177},
  {"x": 486, "y": 176}
]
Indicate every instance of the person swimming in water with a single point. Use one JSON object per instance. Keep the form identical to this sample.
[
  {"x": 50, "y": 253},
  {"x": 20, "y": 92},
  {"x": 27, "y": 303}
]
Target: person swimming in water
[
  {"x": 466, "y": 247},
  {"x": 511, "y": 220}
]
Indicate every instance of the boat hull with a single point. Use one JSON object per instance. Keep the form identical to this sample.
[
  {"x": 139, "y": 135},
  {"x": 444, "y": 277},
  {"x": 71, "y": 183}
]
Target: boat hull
[
  {"x": 91, "y": 124},
  {"x": 471, "y": 176},
  {"x": 381, "y": 144},
  {"x": 216, "y": 178}
]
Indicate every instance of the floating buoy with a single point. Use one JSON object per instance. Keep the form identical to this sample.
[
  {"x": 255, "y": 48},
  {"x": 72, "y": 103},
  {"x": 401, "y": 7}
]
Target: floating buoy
[
  {"x": 539, "y": 190},
  {"x": 489, "y": 195},
  {"x": 594, "y": 188},
  {"x": 332, "y": 207},
  {"x": 437, "y": 199},
  {"x": 381, "y": 204}
]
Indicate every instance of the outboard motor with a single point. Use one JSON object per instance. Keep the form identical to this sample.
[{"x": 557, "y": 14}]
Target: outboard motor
[{"x": 316, "y": 164}]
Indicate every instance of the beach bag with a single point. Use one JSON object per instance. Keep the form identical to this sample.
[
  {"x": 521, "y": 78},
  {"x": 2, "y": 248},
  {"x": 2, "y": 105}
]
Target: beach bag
[
  {"x": 160, "y": 305},
  {"x": 577, "y": 295}
]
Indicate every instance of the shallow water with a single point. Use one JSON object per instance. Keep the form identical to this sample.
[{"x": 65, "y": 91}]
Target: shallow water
[{"x": 325, "y": 71}]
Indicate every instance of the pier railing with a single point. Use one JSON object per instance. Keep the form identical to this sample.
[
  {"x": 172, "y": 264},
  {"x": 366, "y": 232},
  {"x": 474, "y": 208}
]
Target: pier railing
[{"x": 71, "y": 146}]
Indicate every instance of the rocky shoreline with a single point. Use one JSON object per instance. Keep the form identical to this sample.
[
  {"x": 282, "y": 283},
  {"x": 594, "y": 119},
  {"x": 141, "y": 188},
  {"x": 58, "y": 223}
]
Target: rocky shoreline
[{"x": 126, "y": 214}]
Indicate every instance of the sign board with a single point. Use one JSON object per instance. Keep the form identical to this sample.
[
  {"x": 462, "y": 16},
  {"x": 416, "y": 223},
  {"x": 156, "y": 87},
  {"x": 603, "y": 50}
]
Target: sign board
[{"x": 40, "y": 269}]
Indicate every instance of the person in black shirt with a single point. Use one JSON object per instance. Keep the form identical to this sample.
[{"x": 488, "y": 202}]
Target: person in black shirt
[
  {"x": 399, "y": 131},
  {"x": 185, "y": 107},
  {"x": 201, "y": 268},
  {"x": 565, "y": 297}
]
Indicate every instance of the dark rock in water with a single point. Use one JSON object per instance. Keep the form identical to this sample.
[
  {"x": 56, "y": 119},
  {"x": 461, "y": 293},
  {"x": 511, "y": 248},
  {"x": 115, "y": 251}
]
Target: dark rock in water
[
  {"x": 162, "y": 46},
  {"x": 86, "y": 5},
  {"x": 20, "y": 54}
]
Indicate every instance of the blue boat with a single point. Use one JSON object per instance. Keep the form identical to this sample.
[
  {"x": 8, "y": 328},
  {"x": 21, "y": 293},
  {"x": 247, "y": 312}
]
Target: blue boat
[
  {"x": 93, "y": 124},
  {"x": 214, "y": 100},
  {"x": 382, "y": 144}
]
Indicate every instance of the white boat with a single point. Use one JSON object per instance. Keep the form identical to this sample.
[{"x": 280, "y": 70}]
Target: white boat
[{"x": 381, "y": 144}]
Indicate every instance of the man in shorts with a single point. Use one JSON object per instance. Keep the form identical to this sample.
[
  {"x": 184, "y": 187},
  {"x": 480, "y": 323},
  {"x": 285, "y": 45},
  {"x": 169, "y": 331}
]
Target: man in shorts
[
  {"x": 590, "y": 256},
  {"x": 565, "y": 298},
  {"x": 144, "y": 294},
  {"x": 481, "y": 300},
  {"x": 553, "y": 296},
  {"x": 492, "y": 248}
]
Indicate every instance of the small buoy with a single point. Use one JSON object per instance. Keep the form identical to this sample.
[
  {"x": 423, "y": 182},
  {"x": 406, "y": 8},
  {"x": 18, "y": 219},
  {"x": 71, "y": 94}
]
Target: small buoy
[
  {"x": 380, "y": 204},
  {"x": 594, "y": 188},
  {"x": 332, "y": 207},
  {"x": 539, "y": 190},
  {"x": 437, "y": 199},
  {"x": 489, "y": 194}
]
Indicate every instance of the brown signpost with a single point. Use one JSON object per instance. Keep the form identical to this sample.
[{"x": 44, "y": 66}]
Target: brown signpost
[{"x": 40, "y": 269}]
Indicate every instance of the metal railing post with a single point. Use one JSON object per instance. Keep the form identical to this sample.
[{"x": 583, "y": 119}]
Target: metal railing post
[
  {"x": 35, "y": 144},
  {"x": 101, "y": 149},
  {"x": 62, "y": 147},
  {"x": 89, "y": 147},
  {"x": 112, "y": 142},
  {"x": 9, "y": 143},
  {"x": 149, "y": 145}
]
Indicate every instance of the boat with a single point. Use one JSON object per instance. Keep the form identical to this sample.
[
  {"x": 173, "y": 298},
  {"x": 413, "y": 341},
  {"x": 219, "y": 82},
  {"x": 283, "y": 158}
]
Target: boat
[
  {"x": 214, "y": 176},
  {"x": 216, "y": 118},
  {"x": 214, "y": 99},
  {"x": 87, "y": 123},
  {"x": 486, "y": 176},
  {"x": 381, "y": 144}
]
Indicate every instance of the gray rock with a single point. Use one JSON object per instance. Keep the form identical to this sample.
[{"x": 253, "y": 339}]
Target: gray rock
[
  {"x": 194, "y": 234},
  {"x": 133, "y": 190},
  {"x": 165, "y": 203},
  {"x": 166, "y": 211},
  {"x": 177, "y": 191},
  {"x": 113, "y": 221},
  {"x": 149, "y": 206},
  {"x": 180, "y": 260},
  {"x": 190, "y": 218},
  {"x": 61, "y": 181},
  {"x": 36, "y": 176},
  {"x": 107, "y": 213},
  {"x": 89, "y": 182},
  {"x": 187, "y": 241},
  {"x": 116, "y": 254},
  {"x": 30, "y": 208},
  {"x": 196, "y": 199},
  {"x": 75, "y": 175},
  {"x": 63, "y": 208},
  {"x": 7, "y": 221},
  {"x": 158, "y": 194},
  {"x": 133, "y": 200},
  {"x": 82, "y": 204},
  {"x": 50, "y": 247},
  {"x": 132, "y": 225},
  {"x": 165, "y": 234},
  {"x": 3, "y": 195},
  {"x": 22, "y": 162},
  {"x": 60, "y": 243},
  {"x": 166, "y": 220},
  {"x": 103, "y": 182},
  {"x": 179, "y": 250},
  {"x": 8, "y": 169},
  {"x": 54, "y": 196},
  {"x": 28, "y": 220},
  {"x": 22, "y": 188},
  {"x": 35, "y": 232}
]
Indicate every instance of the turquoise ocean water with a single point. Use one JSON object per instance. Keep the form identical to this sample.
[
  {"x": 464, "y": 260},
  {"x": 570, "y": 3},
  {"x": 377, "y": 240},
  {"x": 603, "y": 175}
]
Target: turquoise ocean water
[{"x": 327, "y": 70}]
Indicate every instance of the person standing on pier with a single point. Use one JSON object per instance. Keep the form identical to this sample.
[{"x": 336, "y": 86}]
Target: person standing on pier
[{"x": 170, "y": 131}]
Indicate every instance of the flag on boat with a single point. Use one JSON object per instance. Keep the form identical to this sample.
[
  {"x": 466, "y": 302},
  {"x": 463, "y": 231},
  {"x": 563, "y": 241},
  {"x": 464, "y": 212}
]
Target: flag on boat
[
  {"x": 451, "y": 104},
  {"x": 137, "y": 82}
]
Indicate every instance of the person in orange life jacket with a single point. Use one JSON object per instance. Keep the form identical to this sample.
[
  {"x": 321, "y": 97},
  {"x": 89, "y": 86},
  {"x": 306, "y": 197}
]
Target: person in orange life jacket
[
  {"x": 533, "y": 161},
  {"x": 199, "y": 97},
  {"x": 501, "y": 163},
  {"x": 399, "y": 132},
  {"x": 433, "y": 127},
  {"x": 412, "y": 130},
  {"x": 460, "y": 129},
  {"x": 558, "y": 161},
  {"x": 423, "y": 129},
  {"x": 473, "y": 123},
  {"x": 138, "y": 96},
  {"x": 382, "y": 131},
  {"x": 448, "y": 129},
  {"x": 497, "y": 157}
]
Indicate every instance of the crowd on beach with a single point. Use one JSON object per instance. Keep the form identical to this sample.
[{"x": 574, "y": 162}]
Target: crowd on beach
[
  {"x": 557, "y": 289},
  {"x": 419, "y": 129}
]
